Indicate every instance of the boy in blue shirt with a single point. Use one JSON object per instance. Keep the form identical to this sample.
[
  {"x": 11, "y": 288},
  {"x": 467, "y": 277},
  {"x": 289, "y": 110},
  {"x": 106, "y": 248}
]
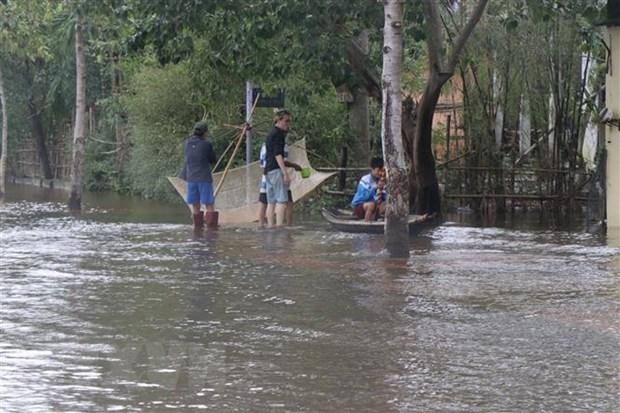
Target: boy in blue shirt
[{"x": 369, "y": 199}]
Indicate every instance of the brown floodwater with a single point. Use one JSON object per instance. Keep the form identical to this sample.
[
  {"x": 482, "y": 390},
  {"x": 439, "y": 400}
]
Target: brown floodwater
[{"x": 124, "y": 309}]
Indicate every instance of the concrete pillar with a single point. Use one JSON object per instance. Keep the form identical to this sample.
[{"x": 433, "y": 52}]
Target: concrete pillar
[
  {"x": 612, "y": 132},
  {"x": 588, "y": 145}
]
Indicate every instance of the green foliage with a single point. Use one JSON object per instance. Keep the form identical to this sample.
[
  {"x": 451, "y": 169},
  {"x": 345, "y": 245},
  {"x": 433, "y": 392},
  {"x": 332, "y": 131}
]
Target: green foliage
[
  {"x": 415, "y": 62},
  {"x": 99, "y": 169},
  {"x": 214, "y": 47},
  {"x": 319, "y": 118},
  {"x": 185, "y": 60},
  {"x": 22, "y": 27},
  {"x": 162, "y": 109},
  {"x": 532, "y": 49},
  {"x": 258, "y": 40},
  {"x": 19, "y": 121}
]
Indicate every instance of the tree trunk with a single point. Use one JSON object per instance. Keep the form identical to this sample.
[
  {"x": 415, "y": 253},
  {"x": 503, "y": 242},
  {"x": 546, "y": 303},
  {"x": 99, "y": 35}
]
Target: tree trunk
[
  {"x": 428, "y": 198},
  {"x": 359, "y": 62},
  {"x": 408, "y": 131},
  {"x": 498, "y": 124},
  {"x": 40, "y": 138},
  {"x": 358, "y": 114},
  {"x": 5, "y": 139},
  {"x": 119, "y": 130},
  {"x": 397, "y": 208},
  {"x": 77, "y": 164},
  {"x": 38, "y": 131},
  {"x": 525, "y": 132}
]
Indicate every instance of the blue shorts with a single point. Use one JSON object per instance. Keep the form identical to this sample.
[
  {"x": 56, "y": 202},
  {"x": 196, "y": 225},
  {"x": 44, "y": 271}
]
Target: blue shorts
[
  {"x": 200, "y": 193},
  {"x": 277, "y": 192}
]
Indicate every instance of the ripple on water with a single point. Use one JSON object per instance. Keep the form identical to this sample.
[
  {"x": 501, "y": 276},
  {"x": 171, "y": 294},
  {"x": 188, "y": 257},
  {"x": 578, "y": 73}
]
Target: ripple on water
[{"x": 144, "y": 317}]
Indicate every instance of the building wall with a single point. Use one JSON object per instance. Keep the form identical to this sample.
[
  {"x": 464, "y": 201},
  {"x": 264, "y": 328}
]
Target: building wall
[
  {"x": 612, "y": 133},
  {"x": 450, "y": 104}
]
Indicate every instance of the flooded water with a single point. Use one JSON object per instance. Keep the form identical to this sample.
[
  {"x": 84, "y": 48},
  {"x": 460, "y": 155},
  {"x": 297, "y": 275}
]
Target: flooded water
[{"x": 123, "y": 309}]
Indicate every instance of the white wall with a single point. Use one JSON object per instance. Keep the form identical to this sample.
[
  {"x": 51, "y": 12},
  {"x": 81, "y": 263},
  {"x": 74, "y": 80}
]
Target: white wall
[{"x": 612, "y": 133}]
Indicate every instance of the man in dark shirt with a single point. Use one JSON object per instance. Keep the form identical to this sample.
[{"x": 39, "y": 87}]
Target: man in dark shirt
[
  {"x": 276, "y": 175},
  {"x": 199, "y": 156}
]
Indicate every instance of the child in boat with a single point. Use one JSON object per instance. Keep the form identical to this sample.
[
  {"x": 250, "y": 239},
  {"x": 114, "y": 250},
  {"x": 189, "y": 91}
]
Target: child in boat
[{"x": 365, "y": 205}]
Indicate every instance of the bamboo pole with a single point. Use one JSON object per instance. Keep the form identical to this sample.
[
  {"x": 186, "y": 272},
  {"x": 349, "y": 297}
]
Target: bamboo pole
[
  {"x": 335, "y": 169},
  {"x": 232, "y": 157},
  {"x": 232, "y": 126},
  {"x": 232, "y": 142},
  {"x": 535, "y": 197},
  {"x": 447, "y": 151},
  {"x": 219, "y": 161},
  {"x": 516, "y": 170},
  {"x": 443, "y": 164}
]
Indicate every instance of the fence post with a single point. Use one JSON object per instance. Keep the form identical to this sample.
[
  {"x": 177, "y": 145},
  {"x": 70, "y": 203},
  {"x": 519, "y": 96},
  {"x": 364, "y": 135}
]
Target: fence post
[
  {"x": 512, "y": 190},
  {"x": 448, "y": 139},
  {"x": 342, "y": 182}
]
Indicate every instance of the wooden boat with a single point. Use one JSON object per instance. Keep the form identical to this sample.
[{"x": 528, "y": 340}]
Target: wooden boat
[{"x": 343, "y": 220}]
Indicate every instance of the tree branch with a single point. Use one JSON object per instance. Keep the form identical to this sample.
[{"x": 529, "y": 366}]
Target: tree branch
[
  {"x": 464, "y": 35},
  {"x": 359, "y": 63},
  {"x": 435, "y": 41}
]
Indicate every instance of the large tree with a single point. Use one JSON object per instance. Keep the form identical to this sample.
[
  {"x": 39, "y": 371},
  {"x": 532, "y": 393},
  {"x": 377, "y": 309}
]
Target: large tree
[
  {"x": 24, "y": 37},
  {"x": 5, "y": 139},
  {"x": 77, "y": 161},
  {"x": 441, "y": 68},
  {"x": 397, "y": 209}
]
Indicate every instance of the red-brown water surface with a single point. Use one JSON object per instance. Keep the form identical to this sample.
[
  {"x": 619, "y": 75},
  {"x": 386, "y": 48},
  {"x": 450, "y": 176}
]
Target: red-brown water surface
[{"x": 123, "y": 309}]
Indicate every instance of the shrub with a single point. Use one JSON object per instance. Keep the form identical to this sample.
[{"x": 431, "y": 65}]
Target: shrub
[{"x": 162, "y": 108}]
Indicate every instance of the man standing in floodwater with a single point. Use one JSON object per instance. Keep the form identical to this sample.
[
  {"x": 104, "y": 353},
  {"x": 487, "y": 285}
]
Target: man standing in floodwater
[
  {"x": 276, "y": 176},
  {"x": 199, "y": 156},
  {"x": 262, "y": 197}
]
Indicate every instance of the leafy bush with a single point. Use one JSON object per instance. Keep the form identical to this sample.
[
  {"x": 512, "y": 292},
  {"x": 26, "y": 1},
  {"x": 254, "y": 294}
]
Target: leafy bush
[
  {"x": 162, "y": 108},
  {"x": 100, "y": 170},
  {"x": 163, "y": 103}
]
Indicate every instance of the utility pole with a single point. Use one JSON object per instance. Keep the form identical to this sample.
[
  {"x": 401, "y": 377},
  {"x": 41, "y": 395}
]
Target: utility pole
[{"x": 249, "y": 100}]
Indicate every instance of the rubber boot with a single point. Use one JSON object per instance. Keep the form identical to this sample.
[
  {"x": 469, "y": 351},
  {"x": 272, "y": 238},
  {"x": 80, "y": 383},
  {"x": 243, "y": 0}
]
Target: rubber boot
[
  {"x": 198, "y": 221},
  {"x": 211, "y": 218}
]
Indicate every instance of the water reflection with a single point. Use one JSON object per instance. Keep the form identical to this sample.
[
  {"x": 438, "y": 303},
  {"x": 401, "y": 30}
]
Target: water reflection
[
  {"x": 142, "y": 315},
  {"x": 277, "y": 240}
]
